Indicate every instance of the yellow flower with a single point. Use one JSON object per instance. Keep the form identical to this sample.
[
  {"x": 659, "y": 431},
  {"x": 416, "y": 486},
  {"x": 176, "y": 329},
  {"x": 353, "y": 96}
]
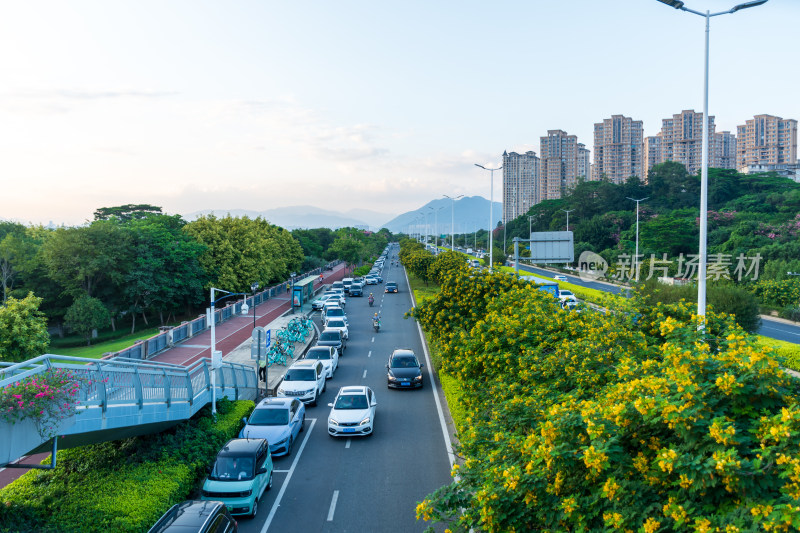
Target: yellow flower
[{"x": 651, "y": 525}]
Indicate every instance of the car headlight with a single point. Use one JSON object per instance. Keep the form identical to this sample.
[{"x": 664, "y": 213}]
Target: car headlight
[
  {"x": 418, "y": 378},
  {"x": 364, "y": 422},
  {"x": 333, "y": 421},
  {"x": 280, "y": 442},
  {"x": 281, "y": 391},
  {"x": 390, "y": 376},
  {"x": 310, "y": 390}
]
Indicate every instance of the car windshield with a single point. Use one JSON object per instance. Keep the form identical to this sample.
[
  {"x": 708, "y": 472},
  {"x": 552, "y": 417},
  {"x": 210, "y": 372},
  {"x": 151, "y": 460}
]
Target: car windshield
[
  {"x": 404, "y": 361},
  {"x": 335, "y": 312},
  {"x": 318, "y": 354},
  {"x": 351, "y": 401},
  {"x": 299, "y": 374},
  {"x": 335, "y": 324},
  {"x": 232, "y": 468},
  {"x": 269, "y": 417},
  {"x": 329, "y": 336}
]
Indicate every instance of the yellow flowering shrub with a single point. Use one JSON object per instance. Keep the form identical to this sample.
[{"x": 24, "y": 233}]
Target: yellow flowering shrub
[{"x": 632, "y": 420}]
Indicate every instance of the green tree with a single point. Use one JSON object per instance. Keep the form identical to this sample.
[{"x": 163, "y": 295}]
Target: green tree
[
  {"x": 166, "y": 273},
  {"x": 86, "y": 315},
  {"x": 23, "y": 329},
  {"x": 126, "y": 213},
  {"x": 16, "y": 252},
  {"x": 240, "y": 251},
  {"x": 348, "y": 249}
]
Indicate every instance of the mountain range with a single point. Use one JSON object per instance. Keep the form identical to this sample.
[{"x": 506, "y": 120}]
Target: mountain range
[{"x": 470, "y": 213}]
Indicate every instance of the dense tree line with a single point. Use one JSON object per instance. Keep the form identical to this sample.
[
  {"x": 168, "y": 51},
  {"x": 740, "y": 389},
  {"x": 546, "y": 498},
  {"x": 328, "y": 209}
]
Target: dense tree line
[
  {"x": 354, "y": 246},
  {"x": 748, "y": 215}
]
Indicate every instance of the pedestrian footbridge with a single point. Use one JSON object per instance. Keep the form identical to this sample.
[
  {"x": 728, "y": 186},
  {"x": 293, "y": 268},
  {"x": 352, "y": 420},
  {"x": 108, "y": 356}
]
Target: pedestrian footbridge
[{"x": 121, "y": 398}]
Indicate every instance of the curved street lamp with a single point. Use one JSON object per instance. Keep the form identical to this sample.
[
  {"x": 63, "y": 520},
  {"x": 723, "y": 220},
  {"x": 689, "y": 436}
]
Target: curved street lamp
[
  {"x": 701, "y": 274},
  {"x": 491, "y": 214}
]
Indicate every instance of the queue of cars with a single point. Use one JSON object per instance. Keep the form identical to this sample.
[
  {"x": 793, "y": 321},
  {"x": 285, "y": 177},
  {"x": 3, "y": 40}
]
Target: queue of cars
[{"x": 243, "y": 469}]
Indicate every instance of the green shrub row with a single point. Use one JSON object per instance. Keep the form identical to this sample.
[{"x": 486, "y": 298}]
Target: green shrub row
[
  {"x": 780, "y": 293},
  {"x": 633, "y": 420},
  {"x": 121, "y": 486}
]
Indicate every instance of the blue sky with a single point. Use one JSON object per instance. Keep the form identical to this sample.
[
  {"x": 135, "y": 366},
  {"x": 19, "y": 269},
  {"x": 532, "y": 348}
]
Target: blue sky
[{"x": 196, "y": 105}]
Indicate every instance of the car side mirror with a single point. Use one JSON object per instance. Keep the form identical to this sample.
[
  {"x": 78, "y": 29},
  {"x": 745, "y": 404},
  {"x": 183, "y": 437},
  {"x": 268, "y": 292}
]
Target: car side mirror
[
  {"x": 374, "y": 403},
  {"x": 330, "y": 405},
  {"x": 261, "y": 471},
  {"x": 244, "y": 420},
  {"x": 208, "y": 470},
  {"x": 422, "y": 365}
]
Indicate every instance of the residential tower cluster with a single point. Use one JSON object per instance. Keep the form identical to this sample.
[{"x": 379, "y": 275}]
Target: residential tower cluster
[{"x": 764, "y": 143}]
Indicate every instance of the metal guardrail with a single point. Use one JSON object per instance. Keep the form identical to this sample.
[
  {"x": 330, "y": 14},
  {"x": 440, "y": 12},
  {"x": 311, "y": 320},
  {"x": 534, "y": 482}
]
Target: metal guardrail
[
  {"x": 150, "y": 347},
  {"x": 124, "y": 392}
]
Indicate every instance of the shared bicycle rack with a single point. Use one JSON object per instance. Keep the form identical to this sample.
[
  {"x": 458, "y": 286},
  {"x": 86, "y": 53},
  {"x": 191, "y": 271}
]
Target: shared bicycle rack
[{"x": 282, "y": 350}]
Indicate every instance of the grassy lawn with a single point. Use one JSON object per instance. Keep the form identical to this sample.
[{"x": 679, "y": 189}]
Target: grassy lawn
[{"x": 96, "y": 351}]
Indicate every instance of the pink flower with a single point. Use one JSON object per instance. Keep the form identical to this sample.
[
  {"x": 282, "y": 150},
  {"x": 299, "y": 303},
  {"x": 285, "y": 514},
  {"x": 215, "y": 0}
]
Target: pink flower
[{"x": 18, "y": 396}]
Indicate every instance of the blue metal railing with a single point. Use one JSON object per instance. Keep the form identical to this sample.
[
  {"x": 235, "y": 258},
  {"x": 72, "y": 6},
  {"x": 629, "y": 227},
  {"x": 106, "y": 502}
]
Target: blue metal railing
[{"x": 123, "y": 392}]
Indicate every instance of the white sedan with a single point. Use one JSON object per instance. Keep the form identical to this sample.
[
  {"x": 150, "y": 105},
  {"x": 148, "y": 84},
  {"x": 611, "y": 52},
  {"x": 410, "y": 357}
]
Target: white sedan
[
  {"x": 340, "y": 324},
  {"x": 352, "y": 412},
  {"x": 559, "y": 277}
]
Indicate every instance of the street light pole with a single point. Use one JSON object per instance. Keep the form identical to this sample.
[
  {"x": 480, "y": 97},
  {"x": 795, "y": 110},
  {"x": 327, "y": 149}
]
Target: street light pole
[
  {"x": 568, "y": 211},
  {"x": 216, "y": 357},
  {"x": 491, "y": 214},
  {"x": 701, "y": 281},
  {"x": 254, "y": 288},
  {"x": 636, "y": 255},
  {"x": 453, "y": 221}
]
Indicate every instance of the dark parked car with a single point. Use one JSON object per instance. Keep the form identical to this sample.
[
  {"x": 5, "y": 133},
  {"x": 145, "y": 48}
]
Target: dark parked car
[
  {"x": 332, "y": 337},
  {"x": 391, "y": 287},
  {"x": 196, "y": 516},
  {"x": 404, "y": 371}
]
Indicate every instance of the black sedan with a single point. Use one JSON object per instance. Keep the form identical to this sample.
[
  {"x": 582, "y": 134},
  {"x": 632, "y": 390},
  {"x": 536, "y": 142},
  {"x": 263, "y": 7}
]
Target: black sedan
[
  {"x": 404, "y": 371},
  {"x": 391, "y": 287}
]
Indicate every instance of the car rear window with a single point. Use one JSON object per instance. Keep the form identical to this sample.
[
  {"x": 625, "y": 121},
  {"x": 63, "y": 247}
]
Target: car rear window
[
  {"x": 321, "y": 353},
  {"x": 329, "y": 336},
  {"x": 335, "y": 324},
  {"x": 269, "y": 417}
]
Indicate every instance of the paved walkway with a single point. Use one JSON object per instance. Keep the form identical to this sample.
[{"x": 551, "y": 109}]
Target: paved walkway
[{"x": 232, "y": 338}]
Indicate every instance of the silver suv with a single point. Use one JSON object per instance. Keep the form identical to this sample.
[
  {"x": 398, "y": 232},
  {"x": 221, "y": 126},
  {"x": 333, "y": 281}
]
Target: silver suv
[{"x": 304, "y": 380}]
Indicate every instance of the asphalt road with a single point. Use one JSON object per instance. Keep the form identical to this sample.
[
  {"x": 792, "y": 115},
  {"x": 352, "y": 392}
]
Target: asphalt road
[
  {"x": 370, "y": 483},
  {"x": 769, "y": 328}
]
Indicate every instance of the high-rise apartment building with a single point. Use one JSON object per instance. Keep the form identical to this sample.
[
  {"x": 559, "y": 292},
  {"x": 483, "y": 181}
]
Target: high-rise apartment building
[
  {"x": 723, "y": 150},
  {"x": 562, "y": 160},
  {"x": 520, "y": 183},
  {"x": 652, "y": 154},
  {"x": 681, "y": 140},
  {"x": 618, "y": 149},
  {"x": 766, "y": 141}
]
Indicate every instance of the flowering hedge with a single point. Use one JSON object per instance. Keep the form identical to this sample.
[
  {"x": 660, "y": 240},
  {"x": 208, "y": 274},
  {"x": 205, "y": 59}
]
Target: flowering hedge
[
  {"x": 778, "y": 293},
  {"x": 45, "y": 398},
  {"x": 630, "y": 421},
  {"x": 121, "y": 486}
]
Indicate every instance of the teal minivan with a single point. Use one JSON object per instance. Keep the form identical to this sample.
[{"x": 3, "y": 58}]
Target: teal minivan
[{"x": 240, "y": 475}]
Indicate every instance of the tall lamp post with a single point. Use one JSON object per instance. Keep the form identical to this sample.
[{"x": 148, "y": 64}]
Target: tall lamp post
[
  {"x": 701, "y": 273},
  {"x": 216, "y": 356},
  {"x": 636, "y": 254},
  {"x": 491, "y": 214},
  {"x": 254, "y": 287},
  {"x": 453, "y": 221},
  {"x": 568, "y": 211},
  {"x": 436, "y": 229}
]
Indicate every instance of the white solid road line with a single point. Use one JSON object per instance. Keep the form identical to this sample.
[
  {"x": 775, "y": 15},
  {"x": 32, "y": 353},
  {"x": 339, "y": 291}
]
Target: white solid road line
[
  {"x": 333, "y": 505},
  {"x": 448, "y": 443},
  {"x": 288, "y": 477},
  {"x": 365, "y": 374}
]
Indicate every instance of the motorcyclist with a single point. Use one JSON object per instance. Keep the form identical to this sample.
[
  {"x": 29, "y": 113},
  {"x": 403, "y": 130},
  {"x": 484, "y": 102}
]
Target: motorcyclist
[
  {"x": 376, "y": 320},
  {"x": 371, "y": 299}
]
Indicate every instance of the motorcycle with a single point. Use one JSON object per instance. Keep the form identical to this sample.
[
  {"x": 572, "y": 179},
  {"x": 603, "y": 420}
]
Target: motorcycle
[
  {"x": 371, "y": 301},
  {"x": 377, "y": 325}
]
